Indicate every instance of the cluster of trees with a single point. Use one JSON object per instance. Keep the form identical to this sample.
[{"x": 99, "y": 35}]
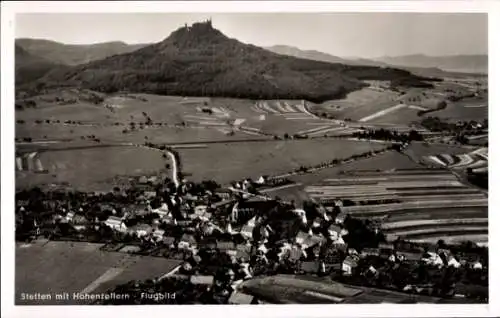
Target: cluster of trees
[
  {"x": 456, "y": 98},
  {"x": 478, "y": 178},
  {"x": 306, "y": 169},
  {"x": 440, "y": 106},
  {"x": 463, "y": 127},
  {"x": 362, "y": 234},
  {"x": 23, "y": 104},
  {"x": 385, "y": 134}
]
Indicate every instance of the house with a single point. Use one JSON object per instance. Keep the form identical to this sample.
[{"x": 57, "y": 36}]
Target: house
[
  {"x": 317, "y": 222},
  {"x": 142, "y": 230},
  {"x": 207, "y": 280},
  {"x": 69, "y": 216},
  {"x": 243, "y": 211},
  {"x": 431, "y": 258},
  {"x": 243, "y": 252},
  {"x": 371, "y": 272},
  {"x": 200, "y": 209},
  {"x": 158, "y": 234},
  {"x": 386, "y": 247},
  {"x": 169, "y": 241},
  {"x": 187, "y": 241},
  {"x": 262, "y": 179},
  {"x": 408, "y": 256},
  {"x": 336, "y": 232},
  {"x": 225, "y": 245},
  {"x": 477, "y": 265},
  {"x": 301, "y": 214},
  {"x": 451, "y": 261},
  {"x": 340, "y": 218},
  {"x": 307, "y": 240},
  {"x": 246, "y": 270},
  {"x": 208, "y": 228},
  {"x": 348, "y": 265},
  {"x": 240, "y": 298},
  {"x": 370, "y": 252},
  {"x": 291, "y": 252},
  {"x": 148, "y": 195},
  {"x": 224, "y": 194},
  {"x": 352, "y": 251},
  {"x": 247, "y": 231},
  {"x": 310, "y": 267},
  {"x": 162, "y": 211},
  {"x": 116, "y": 224},
  {"x": 79, "y": 222}
]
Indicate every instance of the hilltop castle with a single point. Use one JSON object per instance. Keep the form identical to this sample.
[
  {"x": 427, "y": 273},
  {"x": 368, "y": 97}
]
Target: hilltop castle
[{"x": 205, "y": 24}]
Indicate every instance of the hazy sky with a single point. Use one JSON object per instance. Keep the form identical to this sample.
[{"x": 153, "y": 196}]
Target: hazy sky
[{"x": 342, "y": 34}]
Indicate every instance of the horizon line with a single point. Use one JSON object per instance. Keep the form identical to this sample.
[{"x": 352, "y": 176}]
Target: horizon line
[{"x": 264, "y": 47}]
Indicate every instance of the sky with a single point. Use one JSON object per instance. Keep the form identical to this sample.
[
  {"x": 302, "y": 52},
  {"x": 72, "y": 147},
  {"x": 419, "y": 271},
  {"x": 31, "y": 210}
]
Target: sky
[{"x": 367, "y": 34}]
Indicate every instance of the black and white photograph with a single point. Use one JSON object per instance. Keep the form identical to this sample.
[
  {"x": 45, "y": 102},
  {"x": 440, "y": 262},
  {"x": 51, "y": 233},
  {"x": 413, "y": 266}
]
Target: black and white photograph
[{"x": 249, "y": 158}]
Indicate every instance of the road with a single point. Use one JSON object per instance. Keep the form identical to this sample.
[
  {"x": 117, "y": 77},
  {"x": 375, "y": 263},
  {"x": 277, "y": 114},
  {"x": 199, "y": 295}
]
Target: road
[
  {"x": 175, "y": 164},
  {"x": 175, "y": 167}
]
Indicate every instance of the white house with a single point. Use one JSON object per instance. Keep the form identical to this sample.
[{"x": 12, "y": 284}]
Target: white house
[
  {"x": 69, "y": 217},
  {"x": 262, "y": 180},
  {"x": 477, "y": 265},
  {"x": 116, "y": 224},
  {"x": 247, "y": 231},
  {"x": 431, "y": 258},
  {"x": 335, "y": 232},
  {"x": 301, "y": 214},
  {"x": 158, "y": 234},
  {"x": 142, "y": 230},
  {"x": 340, "y": 218},
  {"x": 162, "y": 211},
  {"x": 348, "y": 265},
  {"x": 200, "y": 209},
  {"x": 453, "y": 262}
]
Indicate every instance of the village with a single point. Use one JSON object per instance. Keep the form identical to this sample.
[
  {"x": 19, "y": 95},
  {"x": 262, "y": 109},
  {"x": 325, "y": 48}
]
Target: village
[{"x": 224, "y": 236}]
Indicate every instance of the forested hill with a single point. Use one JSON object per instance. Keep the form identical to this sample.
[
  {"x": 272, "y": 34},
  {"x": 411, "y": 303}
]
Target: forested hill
[
  {"x": 199, "y": 60},
  {"x": 29, "y": 67},
  {"x": 72, "y": 54}
]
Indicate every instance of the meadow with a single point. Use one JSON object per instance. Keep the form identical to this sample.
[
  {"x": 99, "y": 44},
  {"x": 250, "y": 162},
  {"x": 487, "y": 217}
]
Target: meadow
[
  {"x": 228, "y": 162},
  {"x": 78, "y": 265},
  {"x": 92, "y": 169}
]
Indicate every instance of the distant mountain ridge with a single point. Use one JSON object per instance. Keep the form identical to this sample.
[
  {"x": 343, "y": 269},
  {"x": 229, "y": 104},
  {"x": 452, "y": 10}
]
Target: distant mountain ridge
[
  {"x": 454, "y": 63},
  {"x": 418, "y": 64},
  {"x": 74, "y": 54},
  {"x": 199, "y": 60},
  {"x": 29, "y": 67}
]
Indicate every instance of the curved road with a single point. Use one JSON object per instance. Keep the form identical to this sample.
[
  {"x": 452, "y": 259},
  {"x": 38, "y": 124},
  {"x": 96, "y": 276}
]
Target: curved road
[{"x": 175, "y": 164}]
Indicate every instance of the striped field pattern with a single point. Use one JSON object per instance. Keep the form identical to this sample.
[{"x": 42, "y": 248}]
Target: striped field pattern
[
  {"x": 477, "y": 159},
  {"x": 29, "y": 162},
  {"x": 414, "y": 204}
]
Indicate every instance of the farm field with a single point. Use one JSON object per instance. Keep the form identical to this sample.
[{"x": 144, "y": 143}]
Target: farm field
[
  {"x": 423, "y": 203},
  {"x": 228, "y": 162},
  {"x": 386, "y": 161},
  {"x": 286, "y": 289},
  {"x": 380, "y": 105},
  {"x": 476, "y": 160},
  {"x": 78, "y": 266},
  {"x": 406, "y": 115},
  {"x": 121, "y": 133},
  {"x": 92, "y": 169},
  {"x": 359, "y": 104},
  {"x": 468, "y": 109}
]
